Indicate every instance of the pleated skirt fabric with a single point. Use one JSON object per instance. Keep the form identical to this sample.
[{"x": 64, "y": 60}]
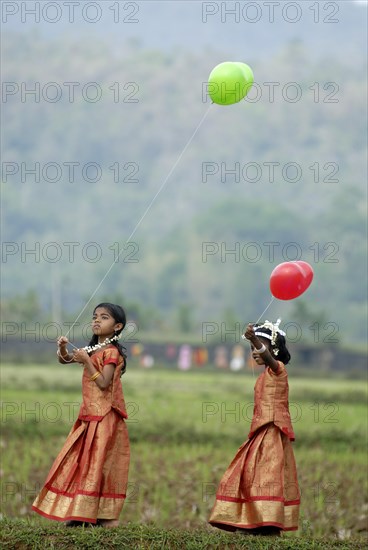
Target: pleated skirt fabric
[
  {"x": 260, "y": 487},
  {"x": 89, "y": 477}
]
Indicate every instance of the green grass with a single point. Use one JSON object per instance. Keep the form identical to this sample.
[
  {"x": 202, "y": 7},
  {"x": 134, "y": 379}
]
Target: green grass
[
  {"x": 18, "y": 534},
  {"x": 185, "y": 429}
]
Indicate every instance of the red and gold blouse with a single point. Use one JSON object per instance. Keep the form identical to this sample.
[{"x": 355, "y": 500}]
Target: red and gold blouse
[
  {"x": 96, "y": 402},
  {"x": 271, "y": 401}
]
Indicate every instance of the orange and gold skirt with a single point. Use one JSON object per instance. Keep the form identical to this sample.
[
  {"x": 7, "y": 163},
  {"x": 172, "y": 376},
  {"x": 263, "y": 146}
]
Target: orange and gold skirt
[
  {"x": 89, "y": 477},
  {"x": 260, "y": 487}
]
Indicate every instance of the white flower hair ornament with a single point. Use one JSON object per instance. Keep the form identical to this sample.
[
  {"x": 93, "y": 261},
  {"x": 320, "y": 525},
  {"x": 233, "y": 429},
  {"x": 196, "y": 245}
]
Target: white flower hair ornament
[{"x": 274, "y": 329}]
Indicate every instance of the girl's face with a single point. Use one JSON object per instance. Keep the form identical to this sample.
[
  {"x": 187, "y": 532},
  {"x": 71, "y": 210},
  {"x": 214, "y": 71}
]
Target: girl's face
[
  {"x": 258, "y": 357},
  {"x": 103, "y": 324}
]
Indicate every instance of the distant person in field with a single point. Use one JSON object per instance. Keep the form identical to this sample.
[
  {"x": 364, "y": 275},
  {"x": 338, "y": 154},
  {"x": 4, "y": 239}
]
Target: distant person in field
[
  {"x": 259, "y": 492},
  {"x": 88, "y": 480}
]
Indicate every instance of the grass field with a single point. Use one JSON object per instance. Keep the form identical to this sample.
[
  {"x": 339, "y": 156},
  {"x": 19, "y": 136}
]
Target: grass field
[{"x": 184, "y": 429}]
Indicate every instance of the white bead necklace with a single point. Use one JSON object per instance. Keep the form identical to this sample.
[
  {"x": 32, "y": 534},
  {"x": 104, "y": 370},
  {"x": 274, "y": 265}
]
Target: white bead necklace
[{"x": 90, "y": 349}]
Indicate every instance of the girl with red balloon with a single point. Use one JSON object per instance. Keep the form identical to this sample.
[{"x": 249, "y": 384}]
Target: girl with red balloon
[{"x": 259, "y": 492}]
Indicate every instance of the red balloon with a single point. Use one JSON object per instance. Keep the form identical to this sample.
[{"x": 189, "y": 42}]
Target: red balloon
[
  {"x": 290, "y": 279},
  {"x": 308, "y": 272}
]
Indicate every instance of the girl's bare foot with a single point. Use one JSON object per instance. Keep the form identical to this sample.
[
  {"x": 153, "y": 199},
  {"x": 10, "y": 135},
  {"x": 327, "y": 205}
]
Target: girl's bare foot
[
  {"x": 72, "y": 523},
  {"x": 75, "y": 523},
  {"x": 268, "y": 531},
  {"x": 108, "y": 522}
]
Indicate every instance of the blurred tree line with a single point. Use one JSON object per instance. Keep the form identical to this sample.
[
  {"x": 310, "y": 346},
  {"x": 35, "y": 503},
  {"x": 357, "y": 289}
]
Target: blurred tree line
[{"x": 205, "y": 249}]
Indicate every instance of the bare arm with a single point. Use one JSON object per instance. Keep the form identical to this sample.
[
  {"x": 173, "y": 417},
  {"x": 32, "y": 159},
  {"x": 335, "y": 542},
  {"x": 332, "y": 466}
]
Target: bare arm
[
  {"x": 269, "y": 360},
  {"x": 63, "y": 356},
  {"x": 103, "y": 380}
]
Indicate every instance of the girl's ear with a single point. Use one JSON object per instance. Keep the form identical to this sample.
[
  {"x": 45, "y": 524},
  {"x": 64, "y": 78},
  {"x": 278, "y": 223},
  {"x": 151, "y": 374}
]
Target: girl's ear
[{"x": 118, "y": 326}]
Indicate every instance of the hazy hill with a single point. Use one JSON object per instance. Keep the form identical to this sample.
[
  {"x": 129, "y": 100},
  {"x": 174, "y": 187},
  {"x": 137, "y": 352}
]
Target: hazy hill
[{"x": 314, "y": 198}]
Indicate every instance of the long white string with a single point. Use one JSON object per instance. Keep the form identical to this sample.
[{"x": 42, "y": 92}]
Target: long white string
[
  {"x": 263, "y": 312},
  {"x": 143, "y": 216}
]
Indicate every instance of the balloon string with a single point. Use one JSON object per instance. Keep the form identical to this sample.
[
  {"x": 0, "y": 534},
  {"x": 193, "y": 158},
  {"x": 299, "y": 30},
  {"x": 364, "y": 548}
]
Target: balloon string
[
  {"x": 143, "y": 216},
  {"x": 263, "y": 312}
]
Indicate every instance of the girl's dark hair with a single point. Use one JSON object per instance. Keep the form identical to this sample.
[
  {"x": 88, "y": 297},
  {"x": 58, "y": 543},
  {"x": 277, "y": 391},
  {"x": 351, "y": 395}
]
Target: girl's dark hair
[
  {"x": 118, "y": 314},
  {"x": 283, "y": 354}
]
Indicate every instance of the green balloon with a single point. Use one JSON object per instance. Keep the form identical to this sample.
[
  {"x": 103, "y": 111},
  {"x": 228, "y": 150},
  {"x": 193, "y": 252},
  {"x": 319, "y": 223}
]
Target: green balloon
[
  {"x": 229, "y": 82},
  {"x": 248, "y": 74}
]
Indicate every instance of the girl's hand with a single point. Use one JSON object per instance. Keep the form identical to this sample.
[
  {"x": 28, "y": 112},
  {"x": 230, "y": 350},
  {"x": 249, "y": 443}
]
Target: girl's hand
[
  {"x": 63, "y": 341},
  {"x": 80, "y": 356},
  {"x": 249, "y": 333}
]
